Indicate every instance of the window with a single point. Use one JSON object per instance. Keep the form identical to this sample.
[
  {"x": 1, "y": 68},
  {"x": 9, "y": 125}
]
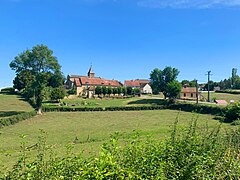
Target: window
[
  {"x": 191, "y": 94},
  {"x": 184, "y": 95}
]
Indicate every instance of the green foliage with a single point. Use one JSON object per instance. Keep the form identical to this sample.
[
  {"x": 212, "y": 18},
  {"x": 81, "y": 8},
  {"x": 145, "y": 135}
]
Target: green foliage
[
  {"x": 72, "y": 91},
  {"x": 98, "y": 90},
  {"x": 173, "y": 89},
  {"x": 109, "y": 90},
  {"x": 41, "y": 69},
  {"x": 160, "y": 79},
  {"x": 129, "y": 91},
  {"x": 199, "y": 108},
  {"x": 16, "y": 118},
  {"x": 104, "y": 90},
  {"x": 124, "y": 91},
  {"x": 8, "y": 90},
  {"x": 115, "y": 91},
  {"x": 119, "y": 90},
  {"x": 22, "y": 79},
  {"x": 232, "y": 112},
  {"x": 228, "y": 91},
  {"x": 187, "y": 154},
  {"x": 136, "y": 91},
  {"x": 57, "y": 93}
]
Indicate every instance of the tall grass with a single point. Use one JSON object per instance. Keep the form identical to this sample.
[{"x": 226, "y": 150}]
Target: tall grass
[{"x": 187, "y": 154}]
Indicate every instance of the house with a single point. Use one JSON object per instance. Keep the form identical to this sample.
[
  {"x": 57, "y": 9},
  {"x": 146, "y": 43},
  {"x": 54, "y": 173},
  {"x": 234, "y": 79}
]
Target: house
[
  {"x": 142, "y": 84},
  {"x": 189, "y": 93},
  {"x": 85, "y": 85}
]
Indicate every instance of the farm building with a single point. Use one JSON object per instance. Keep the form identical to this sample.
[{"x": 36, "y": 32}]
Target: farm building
[
  {"x": 142, "y": 84},
  {"x": 190, "y": 93},
  {"x": 85, "y": 85}
]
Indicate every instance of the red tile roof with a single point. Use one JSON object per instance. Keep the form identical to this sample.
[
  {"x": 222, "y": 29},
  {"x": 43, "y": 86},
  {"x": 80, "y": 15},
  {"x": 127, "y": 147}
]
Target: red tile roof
[
  {"x": 97, "y": 81},
  {"x": 189, "y": 90},
  {"x": 131, "y": 83},
  {"x": 143, "y": 81},
  {"x": 136, "y": 83}
]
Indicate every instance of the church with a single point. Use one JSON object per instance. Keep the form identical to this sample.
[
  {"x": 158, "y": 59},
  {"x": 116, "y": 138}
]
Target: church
[{"x": 85, "y": 85}]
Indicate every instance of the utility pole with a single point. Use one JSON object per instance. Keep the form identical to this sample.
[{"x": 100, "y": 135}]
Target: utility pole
[
  {"x": 197, "y": 91},
  {"x": 208, "y": 74}
]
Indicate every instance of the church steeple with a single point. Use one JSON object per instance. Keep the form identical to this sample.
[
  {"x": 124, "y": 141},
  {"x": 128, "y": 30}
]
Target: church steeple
[{"x": 91, "y": 74}]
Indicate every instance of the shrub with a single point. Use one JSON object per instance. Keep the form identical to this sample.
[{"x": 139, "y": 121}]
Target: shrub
[
  {"x": 16, "y": 118},
  {"x": 232, "y": 112},
  {"x": 8, "y": 90}
]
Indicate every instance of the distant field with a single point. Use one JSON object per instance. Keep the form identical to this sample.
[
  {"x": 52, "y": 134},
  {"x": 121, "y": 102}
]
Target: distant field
[
  {"x": 91, "y": 129},
  {"x": 223, "y": 96},
  {"x": 12, "y": 105}
]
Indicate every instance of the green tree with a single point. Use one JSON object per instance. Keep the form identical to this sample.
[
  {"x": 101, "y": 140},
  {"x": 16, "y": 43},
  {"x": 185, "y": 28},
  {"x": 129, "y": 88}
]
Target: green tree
[
  {"x": 110, "y": 90},
  {"x": 136, "y": 91},
  {"x": 115, "y": 91},
  {"x": 160, "y": 79},
  {"x": 98, "y": 90},
  {"x": 124, "y": 91},
  {"x": 129, "y": 91},
  {"x": 119, "y": 89},
  {"x": 104, "y": 90},
  {"x": 173, "y": 90},
  {"x": 42, "y": 65},
  {"x": 58, "y": 93}
]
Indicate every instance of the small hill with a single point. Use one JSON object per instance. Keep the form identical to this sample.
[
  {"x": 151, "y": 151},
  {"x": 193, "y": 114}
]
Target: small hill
[{"x": 12, "y": 105}]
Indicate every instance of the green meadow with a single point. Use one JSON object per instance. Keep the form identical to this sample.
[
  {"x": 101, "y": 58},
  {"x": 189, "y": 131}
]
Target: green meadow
[{"x": 86, "y": 131}]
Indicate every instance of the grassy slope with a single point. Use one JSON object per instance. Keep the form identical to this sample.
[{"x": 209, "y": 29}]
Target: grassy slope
[
  {"x": 91, "y": 129},
  {"x": 12, "y": 105},
  {"x": 223, "y": 96}
]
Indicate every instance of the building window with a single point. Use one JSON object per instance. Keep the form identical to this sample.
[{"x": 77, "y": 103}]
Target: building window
[
  {"x": 191, "y": 94},
  {"x": 184, "y": 95}
]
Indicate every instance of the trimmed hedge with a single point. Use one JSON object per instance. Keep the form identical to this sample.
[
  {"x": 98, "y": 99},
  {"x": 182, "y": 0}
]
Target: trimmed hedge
[
  {"x": 203, "y": 109},
  {"x": 16, "y": 118},
  {"x": 70, "y": 109},
  {"x": 135, "y": 108},
  {"x": 228, "y": 91},
  {"x": 199, "y": 108},
  {"x": 117, "y": 108}
]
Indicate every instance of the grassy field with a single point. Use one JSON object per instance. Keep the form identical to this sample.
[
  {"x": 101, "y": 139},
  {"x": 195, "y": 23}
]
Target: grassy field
[
  {"x": 12, "y": 105},
  {"x": 88, "y": 130},
  {"x": 223, "y": 96},
  {"x": 135, "y": 101}
]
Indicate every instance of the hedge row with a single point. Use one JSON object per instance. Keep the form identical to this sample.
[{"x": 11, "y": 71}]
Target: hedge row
[
  {"x": 228, "y": 91},
  {"x": 135, "y": 108},
  {"x": 16, "y": 118},
  {"x": 70, "y": 109},
  {"x": 199, "y": 108},
  {"x": 203, "y": 109},
  {"x": 118, "y": 108}
]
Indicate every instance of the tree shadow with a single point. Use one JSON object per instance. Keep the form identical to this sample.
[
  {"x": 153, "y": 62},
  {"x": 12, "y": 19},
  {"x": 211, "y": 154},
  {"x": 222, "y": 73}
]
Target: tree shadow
[
  {"x": 9, "y": 113},
  {"x": 149, "y": 101}
]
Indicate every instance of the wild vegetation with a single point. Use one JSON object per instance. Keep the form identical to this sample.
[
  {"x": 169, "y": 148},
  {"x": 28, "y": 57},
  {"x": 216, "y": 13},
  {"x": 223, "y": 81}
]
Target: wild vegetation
[{"x": 187, "y": 154}]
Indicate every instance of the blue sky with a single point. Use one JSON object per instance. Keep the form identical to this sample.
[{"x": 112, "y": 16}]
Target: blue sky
[{"x": 125, "y": 39}]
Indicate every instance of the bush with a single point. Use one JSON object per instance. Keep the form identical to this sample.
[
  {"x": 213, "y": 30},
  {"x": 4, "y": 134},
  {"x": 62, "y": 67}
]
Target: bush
[
  {"x": 232, "y": 112},
  {"x": 16, "y": 118},
  {"x": 228, "y": 91},
  {"x": 203, "y": 109},
  {"x": 8, "y": 90}
]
